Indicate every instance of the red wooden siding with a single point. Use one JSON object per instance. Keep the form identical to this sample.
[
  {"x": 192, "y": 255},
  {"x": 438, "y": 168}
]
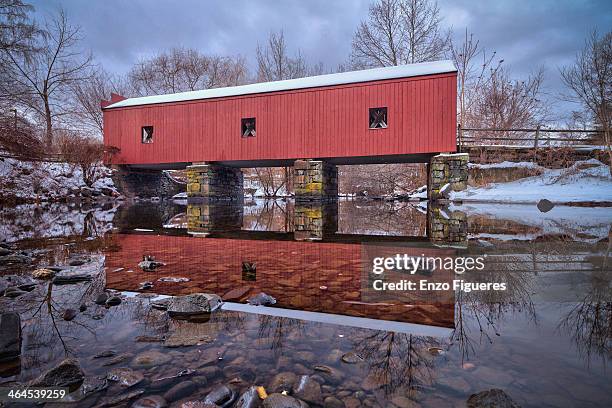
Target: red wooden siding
[{"x": 322, "y": 122}]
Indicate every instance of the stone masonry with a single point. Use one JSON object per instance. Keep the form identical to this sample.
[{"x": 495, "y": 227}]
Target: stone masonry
[
  {"x": 313, "y": 220},
  {"x": 145, "y": 183},
  {"x": 315, "y": 180},
  {"x": 212, "y": 181},
  {"x": 204, "y": 217},
  {"x": 447, "y": 172},
  {"x": 447, "y": 227}
]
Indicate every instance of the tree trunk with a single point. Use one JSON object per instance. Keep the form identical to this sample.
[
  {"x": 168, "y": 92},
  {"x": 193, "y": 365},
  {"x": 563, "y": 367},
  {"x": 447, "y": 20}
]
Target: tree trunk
[{"x": 49, "y": 126}]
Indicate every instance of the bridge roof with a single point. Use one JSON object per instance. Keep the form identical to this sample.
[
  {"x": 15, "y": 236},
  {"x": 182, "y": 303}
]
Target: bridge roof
[{"x": 375, "y": 74}]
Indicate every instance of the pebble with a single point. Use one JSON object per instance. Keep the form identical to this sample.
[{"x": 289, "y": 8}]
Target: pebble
[
  {"x": 126, "y": 377},
  {"x": 351, "y": 358}
]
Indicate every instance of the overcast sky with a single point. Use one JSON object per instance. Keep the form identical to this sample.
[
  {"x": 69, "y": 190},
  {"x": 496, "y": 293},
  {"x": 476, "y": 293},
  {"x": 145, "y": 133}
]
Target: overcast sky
[{"x": 526, "y": 34}]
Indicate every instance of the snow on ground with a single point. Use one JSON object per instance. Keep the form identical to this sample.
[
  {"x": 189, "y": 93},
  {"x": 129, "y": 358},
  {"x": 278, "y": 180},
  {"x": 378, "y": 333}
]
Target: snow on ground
[
  {"x": 585, "y": 181},
  {"x": 582, "y": 223},
  {"x": 48, "y": 181}
]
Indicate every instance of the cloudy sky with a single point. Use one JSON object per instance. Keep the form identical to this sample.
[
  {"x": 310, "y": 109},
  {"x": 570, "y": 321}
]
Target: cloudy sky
[{"x": 526, "y": 34}]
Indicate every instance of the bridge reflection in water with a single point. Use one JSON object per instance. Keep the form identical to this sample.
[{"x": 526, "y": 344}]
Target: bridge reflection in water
[{"x": 301, "y": 255}]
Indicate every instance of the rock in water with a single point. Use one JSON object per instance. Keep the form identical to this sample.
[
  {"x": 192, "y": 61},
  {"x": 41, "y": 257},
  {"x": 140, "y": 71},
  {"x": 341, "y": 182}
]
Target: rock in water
[
  {"x": 69, "y": 314},
  {"x": 308, "y": 390},
  {"x": 545, "y": 206},
  {"x": 4, "y": 251},
  {"x": 151, "y": 401},
  {"x": 101, "y": 299},
  {"x": 67, "y": 374},
  {"x": 43, "y": 273},
  {"x": 236, "y": 294},
  {"x": 194, "y": 304},
  {"x": 10, "y": 336},
  {"x": 126, "y": 377},
  {"x": 261, "y": 299},
  {"x": 14, "y": 292},
  {"x": 283, "y": 401},
  {"x": 493, "y": 398},
  {"x": 249, "y": 399},
  {"x": 181, "y": 390},
  {"x": 150, "y": 264},
  {"x": 282, "y": 382},
  {"x": 351, "y": 358},
  {"x": 222, "y": 395},
  {"x": 113, "y": 301}
]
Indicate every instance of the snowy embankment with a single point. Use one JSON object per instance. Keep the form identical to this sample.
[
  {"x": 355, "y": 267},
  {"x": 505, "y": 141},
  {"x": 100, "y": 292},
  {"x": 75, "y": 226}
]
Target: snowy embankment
[
  {"x": 48, "y": 181},
  {"x": 583, "y": 182}
]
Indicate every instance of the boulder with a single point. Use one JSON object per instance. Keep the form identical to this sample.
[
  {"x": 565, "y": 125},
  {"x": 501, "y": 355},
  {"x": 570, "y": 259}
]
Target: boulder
[
  {"x": 308, "y": 390},
  {"x": 545, "y": 205},
  {"x": 68, "y": 277},
  {"x": 493, "y": 398},
  {"x": 194, "y": 304},
  {"x": 69, "y": 314},
  {"x": 101, "y": 299},
  {"x": 283, "y": 401},
  {"x": 150, "y": 264},
  {"x": 10, "y": 336},
  {"x": 282, "y": 382},
  {"x": 15, "y": 259},
  {"x": 181, "y": 390},
  {"x": 113, "y": 301},
  {"x": 126, "y": 377},
  {"x": 13, "y": 292},
  {"x": 249, "y": 399},
  {"x": 43, "y": 273},
  {"x": 151, "y": 401},
  {"x": 261, "y": 299},
  {"x": 222, "y": 395},
  {"x": 67, "y": 374}
]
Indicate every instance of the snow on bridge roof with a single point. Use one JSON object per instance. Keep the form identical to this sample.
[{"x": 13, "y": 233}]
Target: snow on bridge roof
[{"x": 375, "y": 74}]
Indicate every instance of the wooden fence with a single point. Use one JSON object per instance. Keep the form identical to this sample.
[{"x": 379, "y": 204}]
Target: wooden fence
[{"x": 531, "y": 138}]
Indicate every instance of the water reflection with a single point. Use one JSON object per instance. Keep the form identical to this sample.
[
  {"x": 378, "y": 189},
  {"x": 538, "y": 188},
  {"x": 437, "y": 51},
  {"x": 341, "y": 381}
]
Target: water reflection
[{"x": 546, "y": 341}]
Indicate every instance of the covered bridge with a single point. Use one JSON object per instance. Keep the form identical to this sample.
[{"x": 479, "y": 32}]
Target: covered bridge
[{"x": 383, "y": 115}]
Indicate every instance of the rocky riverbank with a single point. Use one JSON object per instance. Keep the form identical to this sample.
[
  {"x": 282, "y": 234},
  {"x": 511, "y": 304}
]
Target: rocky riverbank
[{"x": 35, "y": 182}]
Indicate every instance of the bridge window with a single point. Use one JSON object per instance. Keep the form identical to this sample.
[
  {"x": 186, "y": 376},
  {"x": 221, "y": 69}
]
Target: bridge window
[
  {"x": 147, "y": 134},
  {"x": 378, "y": 118},
  {"x": 247, "y": 126}
]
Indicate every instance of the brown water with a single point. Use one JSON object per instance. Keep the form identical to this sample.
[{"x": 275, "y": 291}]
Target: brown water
[{"x": 546, "y": 341}]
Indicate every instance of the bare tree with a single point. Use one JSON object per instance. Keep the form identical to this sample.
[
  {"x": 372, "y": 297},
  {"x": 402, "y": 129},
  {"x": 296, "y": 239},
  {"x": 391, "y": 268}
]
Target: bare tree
[
  {"x": 45, "y": 77},
  {"x": 590, "y": 81},
  {"x": 86, "y": 153},
  {"x": 399, "y": 32},
  {"x": 503, "y": 103},
  {"x": 17, "y": 35},
  {"x": 88, "y": 94},
  {"x": 274, "y": 62},
  {"x": 471, "y": 75},
  {"x": 181, "y": 70}
]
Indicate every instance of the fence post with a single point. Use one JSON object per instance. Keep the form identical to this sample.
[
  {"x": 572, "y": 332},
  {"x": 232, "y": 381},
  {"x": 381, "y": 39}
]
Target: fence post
[
  {"x": 460, "y": 134},
  {"x": 535, "y": 144}
]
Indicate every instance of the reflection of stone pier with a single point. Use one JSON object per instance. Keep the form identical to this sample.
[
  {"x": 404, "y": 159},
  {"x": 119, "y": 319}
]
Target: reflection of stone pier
[
  {"x": 446, "y": 227},
  {"x": 204, "y": 218},
  {"x": 314, "y": 220}
]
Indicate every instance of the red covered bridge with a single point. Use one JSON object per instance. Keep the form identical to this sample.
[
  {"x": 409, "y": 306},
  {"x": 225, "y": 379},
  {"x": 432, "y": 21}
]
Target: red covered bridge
[{"x": 383, "y": 115}]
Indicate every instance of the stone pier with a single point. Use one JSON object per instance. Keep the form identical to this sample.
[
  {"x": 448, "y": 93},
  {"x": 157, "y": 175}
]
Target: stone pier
[
  {"x": 144, "y": 183},
  {"x": 214, "y": 182},
  {"x": 447, "y": 172},
  {"x": 315, "y": 180},
  {"x": 313, "y": 220},
  {"x": 446, "y": 227}
]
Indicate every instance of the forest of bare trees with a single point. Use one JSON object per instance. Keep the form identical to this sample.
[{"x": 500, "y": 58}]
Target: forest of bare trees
[{"x": 51, "y": 86}]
